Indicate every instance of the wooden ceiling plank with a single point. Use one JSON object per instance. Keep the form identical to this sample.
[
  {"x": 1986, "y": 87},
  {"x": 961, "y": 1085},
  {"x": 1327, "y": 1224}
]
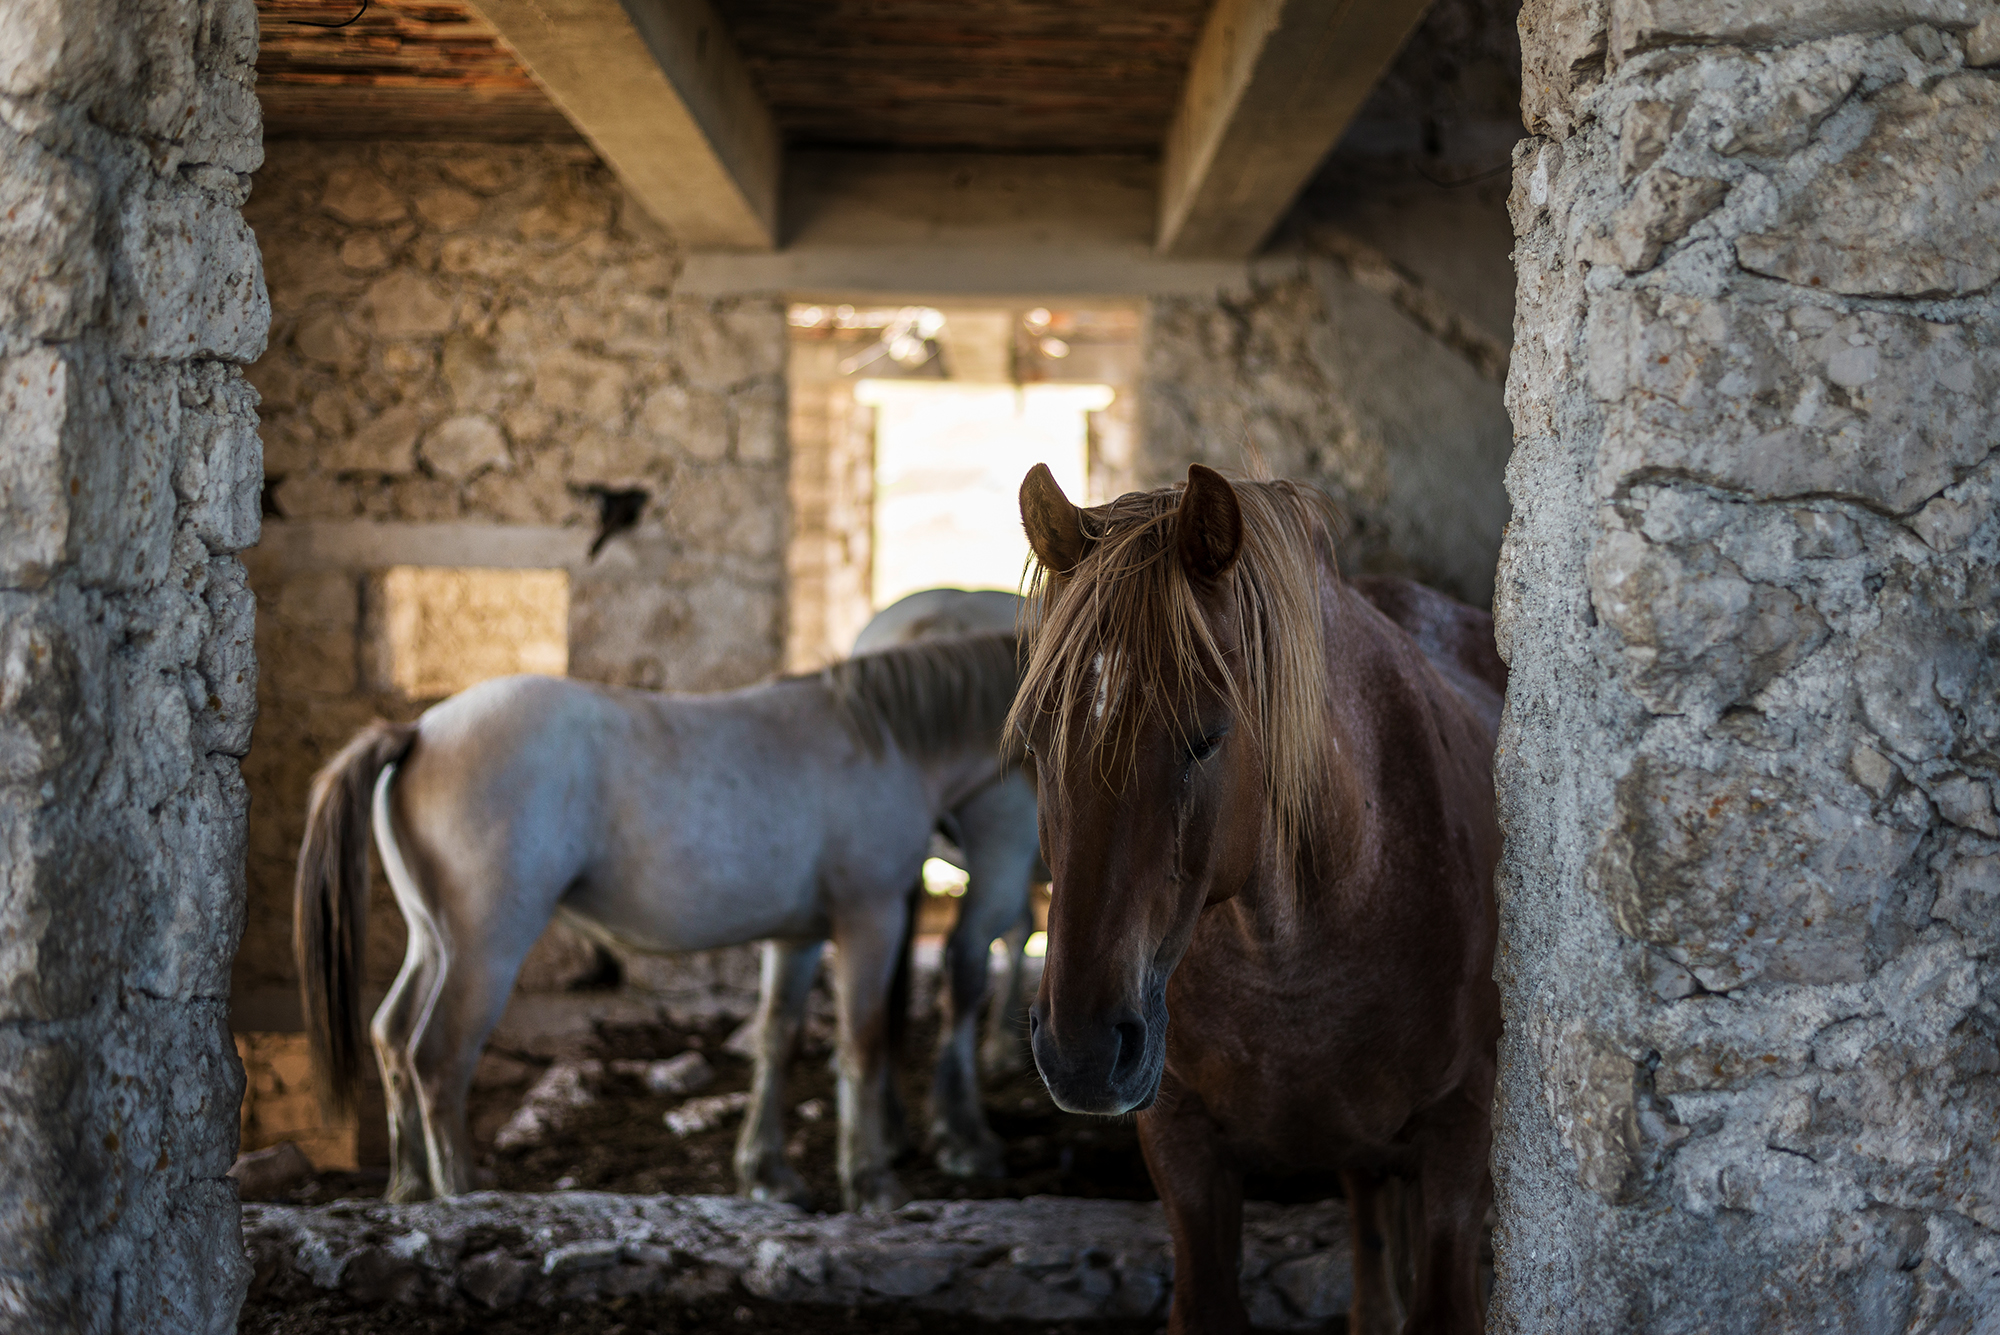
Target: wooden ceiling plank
[
  {"x": 1272, "y": 86},
  {"x": 658, "y": 89}
]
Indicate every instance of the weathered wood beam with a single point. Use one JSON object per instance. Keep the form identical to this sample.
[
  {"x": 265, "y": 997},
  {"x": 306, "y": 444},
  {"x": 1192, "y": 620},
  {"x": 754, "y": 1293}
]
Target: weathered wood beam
[
  {"x": 1272, "y": 86},
  {"x": 659, "y": 90}
]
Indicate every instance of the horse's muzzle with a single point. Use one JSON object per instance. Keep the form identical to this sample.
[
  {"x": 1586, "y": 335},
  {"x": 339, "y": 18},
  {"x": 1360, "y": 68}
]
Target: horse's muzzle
[{"x": 1106, "y": 1065}]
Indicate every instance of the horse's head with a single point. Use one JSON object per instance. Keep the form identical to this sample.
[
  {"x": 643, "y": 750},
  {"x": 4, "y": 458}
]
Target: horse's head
[{"x": 1172, "y": 707}]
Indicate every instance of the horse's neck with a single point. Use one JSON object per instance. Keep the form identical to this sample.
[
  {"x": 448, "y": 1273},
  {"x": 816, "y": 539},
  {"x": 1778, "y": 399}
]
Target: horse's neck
[
  {"x": 1343, "y": 816},
  {"x": 958, "y": 772}
]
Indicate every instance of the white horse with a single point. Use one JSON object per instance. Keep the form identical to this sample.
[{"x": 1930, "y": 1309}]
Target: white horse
[
  {"x": 796, "y": 810},
  {"x": 992, "y": 837}
]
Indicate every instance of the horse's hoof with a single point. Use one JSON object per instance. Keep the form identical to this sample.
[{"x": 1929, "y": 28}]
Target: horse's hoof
[
  {"x": 779, "y": 1187},
  {"x": 407, "y": 1190},
  {"x": 879, "y": 1193},
  {"x": 982, "y": 1158}
]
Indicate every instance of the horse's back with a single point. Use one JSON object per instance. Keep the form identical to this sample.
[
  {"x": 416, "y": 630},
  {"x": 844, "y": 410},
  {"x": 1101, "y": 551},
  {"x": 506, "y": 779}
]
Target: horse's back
[
  {"x": 934, "y": 612},
  {"x": 1457, "y": 639}
]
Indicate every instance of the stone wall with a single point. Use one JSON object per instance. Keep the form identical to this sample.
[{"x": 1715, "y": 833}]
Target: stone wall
[
  {"x": 477, "y": 360},
  {"x": 130, "y": 293},
  {"x": 1751, "y": 891},
  {"x": 1369, "y": 356}
]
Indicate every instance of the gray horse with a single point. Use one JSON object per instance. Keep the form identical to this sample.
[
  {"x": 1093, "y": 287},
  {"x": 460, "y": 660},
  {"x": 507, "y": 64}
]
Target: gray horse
[
  {"x": 992, "y": 837},
  {"x": 797, "y": 810}
]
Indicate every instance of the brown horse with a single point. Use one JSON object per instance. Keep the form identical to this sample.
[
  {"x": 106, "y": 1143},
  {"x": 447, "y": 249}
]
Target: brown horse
[{"x": 1267, "y": 798}]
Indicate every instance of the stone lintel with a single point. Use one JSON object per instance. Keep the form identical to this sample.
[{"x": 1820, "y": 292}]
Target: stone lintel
[
  {"x": 293, "y": 546},
  {"x": 659, "y": 90},
  {"x": 1272, "y": 86}
]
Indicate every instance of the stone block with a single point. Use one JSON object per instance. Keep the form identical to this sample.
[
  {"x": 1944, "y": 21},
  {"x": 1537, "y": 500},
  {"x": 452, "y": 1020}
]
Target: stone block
[
  {"x": 596, "y": 389},
  {"x": 460, "y": 447},
  {"x": 1696, "y": 633},
  {"x": 1663, "y": 206},
  {"x": 1746, "y": 876},
  {"x": 447, "y": 209},
  {"x": 219, "y": 471},
  {"x": 408, "y": 304},
  {"x": 694, "y": 422},
  {"x": 1566, "y": 58},
  {"x": 1883, "y": 407},
  {"x": 324, "y": 336},
  {"x": 762, "y": 435},
  {"x": 37, "y": 396},
  {"x": 188, "y": 280},
  {"x": 1638, "y": 25},
  {"x": 568, "y": 208},
  {"x": 357, "y": 194},
  {"x": 1982, "y": 44},
  {"x": 388, "y": 444},
  {"x": 1913, "y": 210},
  {"x": 52, "y": 274}
]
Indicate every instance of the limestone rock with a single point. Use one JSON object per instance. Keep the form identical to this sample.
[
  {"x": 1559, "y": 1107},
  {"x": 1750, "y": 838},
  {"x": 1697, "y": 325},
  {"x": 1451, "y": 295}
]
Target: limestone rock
[
  {"x": 388, "y": 444},
  {"x": 406, "y": 304},
  {"x": 1566, "y": 59},
  {"x": 1640, "y": 24},
  {"x": 262, "y": 1174},
  {"x": 1041, "y": 1259},
  {"x": 1663, "y": 206},
  {"x": 1888, "y": 408},
  {"x": 459, "y": 447},
  {"x": 1913, "y": 210},
  {"x": 1982, "y": 44},
  {"x": 1694, "y": 630},
  {"x": 357, "y": 194},
  {"x": 1748, "y": 876}
]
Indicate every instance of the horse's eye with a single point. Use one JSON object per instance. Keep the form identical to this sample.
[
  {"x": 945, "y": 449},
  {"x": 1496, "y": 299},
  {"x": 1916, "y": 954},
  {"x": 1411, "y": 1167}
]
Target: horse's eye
[{"x": 1205, "y": 747}]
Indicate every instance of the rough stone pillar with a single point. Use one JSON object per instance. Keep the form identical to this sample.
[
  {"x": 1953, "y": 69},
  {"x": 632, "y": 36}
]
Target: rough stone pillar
[
  {"x": 1752, "y": 882},
  {"x": 130, "y": 292}
]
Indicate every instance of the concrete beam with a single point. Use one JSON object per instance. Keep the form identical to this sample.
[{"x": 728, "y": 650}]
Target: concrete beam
[
  {"x": 1272, "y": 86},
  {"x": 658, "y": 89},
  {"x": 971, "y": 226}
]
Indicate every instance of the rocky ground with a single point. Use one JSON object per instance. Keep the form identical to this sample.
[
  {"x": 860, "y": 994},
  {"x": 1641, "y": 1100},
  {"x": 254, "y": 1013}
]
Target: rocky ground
[
  {"x": 620, "y": 1140},
  {"x": 608, "y": 1221}
]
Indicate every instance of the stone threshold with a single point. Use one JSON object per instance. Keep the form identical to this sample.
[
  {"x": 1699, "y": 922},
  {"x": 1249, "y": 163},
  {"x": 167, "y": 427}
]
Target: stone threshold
[{"x": 1043, "y": 1258}]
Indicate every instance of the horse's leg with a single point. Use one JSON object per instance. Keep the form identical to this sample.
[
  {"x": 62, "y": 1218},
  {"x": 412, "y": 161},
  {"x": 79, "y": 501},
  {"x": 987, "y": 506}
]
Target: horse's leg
[
  {"x": 1377, "y": 1239},
  {"x": 465, "y": 948},
  {"x": 761, "y": 1171},
  {"x": 393, "y": 1032},
  {"x": 866, "y": 947},
  {"x": 1451, "y": 1196},
  {"x": 1204, "y": 1204},
  {"x": 1005, "y": 1051},
  {"x": 997, "y": 829}
]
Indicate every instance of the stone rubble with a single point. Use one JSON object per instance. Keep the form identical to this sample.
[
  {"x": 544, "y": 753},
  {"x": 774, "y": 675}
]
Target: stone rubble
[
  {"x": 572, "y": 1084},
  {"x": 1042, "y": 1258}
]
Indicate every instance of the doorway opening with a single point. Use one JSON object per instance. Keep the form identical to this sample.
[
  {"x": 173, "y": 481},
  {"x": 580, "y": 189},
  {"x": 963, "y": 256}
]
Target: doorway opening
[{"x": 911, "y": 428}]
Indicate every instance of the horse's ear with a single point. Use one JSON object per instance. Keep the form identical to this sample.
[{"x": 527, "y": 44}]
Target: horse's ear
[
  {"x": 1210, "y": 524},
  {"x": 1055, "y": 527}
]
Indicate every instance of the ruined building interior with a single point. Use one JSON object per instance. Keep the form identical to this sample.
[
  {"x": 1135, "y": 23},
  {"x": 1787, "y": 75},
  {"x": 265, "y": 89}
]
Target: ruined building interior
[{"x": 342, "y": 367}]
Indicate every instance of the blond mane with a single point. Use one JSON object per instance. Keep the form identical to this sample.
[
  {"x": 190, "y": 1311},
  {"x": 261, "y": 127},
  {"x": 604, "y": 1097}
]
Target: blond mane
[
  {"x": 930, "y": 696},
  {"x": 1124, "y": 631}
]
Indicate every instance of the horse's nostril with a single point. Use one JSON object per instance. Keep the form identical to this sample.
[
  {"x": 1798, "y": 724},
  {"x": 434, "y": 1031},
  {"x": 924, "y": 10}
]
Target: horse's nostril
[
  {"x": 1131, "y": 1048},
  {"x": 1034, "y": 1023}
]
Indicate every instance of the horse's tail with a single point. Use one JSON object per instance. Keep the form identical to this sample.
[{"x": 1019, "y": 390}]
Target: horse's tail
[{"x": 330, "y": 905}]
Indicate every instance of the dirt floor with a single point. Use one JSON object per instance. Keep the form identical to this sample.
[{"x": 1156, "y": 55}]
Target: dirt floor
[{"x": 621, "y": 1143}]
